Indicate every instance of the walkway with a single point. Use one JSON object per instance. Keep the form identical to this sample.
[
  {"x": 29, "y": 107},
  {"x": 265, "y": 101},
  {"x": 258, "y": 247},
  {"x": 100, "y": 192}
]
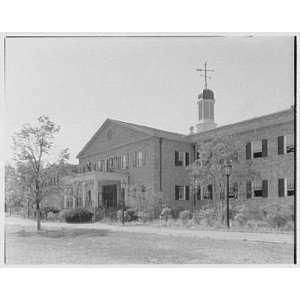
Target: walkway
[{"x": 209, "y": 234}]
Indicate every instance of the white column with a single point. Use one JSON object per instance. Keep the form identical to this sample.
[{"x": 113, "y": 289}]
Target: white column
[
  {"x": 65, "y": 198},
  {"x": 95, "y": 196},
  {"x": 83, "y": 194},
  {"x": 100, "y": 195},
  {"x": 74, "y": 200}
]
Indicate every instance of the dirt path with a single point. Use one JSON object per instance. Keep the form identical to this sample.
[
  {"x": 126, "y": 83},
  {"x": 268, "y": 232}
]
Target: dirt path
[{"x": 216, "y": 235}]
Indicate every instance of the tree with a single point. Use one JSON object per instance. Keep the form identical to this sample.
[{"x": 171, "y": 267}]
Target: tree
[
  {"x": 208, "y": 167},
  {"x": 15, "y": 191},
  {"x": 32, "y": 148}
]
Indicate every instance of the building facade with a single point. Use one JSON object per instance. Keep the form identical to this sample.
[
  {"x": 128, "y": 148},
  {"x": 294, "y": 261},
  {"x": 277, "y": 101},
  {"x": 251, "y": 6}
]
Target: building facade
[{"x": 122, "y": 156}]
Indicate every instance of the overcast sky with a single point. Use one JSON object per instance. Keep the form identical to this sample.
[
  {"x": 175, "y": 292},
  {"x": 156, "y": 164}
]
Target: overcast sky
[{"x": 79, "y": 82}]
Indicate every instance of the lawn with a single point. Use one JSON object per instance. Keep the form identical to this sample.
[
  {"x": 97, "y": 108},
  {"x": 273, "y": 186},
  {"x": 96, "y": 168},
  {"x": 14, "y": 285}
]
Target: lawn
[{"x": 96, "y": 246}]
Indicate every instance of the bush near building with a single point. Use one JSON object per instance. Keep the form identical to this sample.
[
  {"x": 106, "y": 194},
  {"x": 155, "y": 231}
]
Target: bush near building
[{"x": 77, "y": 215}]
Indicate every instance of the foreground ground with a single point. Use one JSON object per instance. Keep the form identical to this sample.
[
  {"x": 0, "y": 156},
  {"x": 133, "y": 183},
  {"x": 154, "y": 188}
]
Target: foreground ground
[{"x": 104, "y": 244}]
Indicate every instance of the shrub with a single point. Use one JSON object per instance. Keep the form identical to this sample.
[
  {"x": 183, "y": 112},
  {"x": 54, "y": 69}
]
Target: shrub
[
  {"x": 145, "y": 216},
  {"x": 78, "y": 215},
  {"x": 184, "y": 216},
  {"x": 49, "y": 209},
  {"x": 166, "y": 214},
  {"x": 278, "y": 216}
]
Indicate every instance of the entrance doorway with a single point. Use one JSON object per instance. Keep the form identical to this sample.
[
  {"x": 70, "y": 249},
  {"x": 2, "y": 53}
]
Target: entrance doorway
[{"x": 109, "y": 196}]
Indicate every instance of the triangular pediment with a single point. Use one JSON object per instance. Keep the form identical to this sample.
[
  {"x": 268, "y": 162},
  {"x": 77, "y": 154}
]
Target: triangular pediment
[{"x": 110, "y": 135}]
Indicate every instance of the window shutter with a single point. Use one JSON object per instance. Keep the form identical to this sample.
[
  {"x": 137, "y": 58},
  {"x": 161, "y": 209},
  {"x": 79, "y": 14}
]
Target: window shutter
[
  {"x": 281, "y": 191},
  {"x": 249, "y": 189},
  {"x": 198, "y": 192},
  {"x": 281, "y": 145},
  {"x": 264, "y": 148},
  {"x": 134, "y": 154},
  {"x": 187, "y": 192},
  {"x": 248, "y": 151},
  {"x": 265, "y": 188},
  {"x": 176, "y": 158},
  {"x": 210, "y": 191},
  {"x": 144, "y": 157},
  {"x": 176, "y": 192},
  {"x": 127, "y": 160},
  {"x": 187, "y": 158}
]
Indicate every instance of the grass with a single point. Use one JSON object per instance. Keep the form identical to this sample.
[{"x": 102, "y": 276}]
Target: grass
[{"x": 95, "y": 246}]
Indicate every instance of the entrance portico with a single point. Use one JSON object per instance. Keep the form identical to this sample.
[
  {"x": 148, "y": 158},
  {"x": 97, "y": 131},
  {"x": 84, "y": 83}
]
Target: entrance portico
[{"x": 95, "y": 189}]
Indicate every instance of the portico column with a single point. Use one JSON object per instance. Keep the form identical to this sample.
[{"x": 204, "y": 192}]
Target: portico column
[
  {"x": 73, "y": 198},
  {"x": 95, "y": 190},
  {"x": 83, "y": 194},
  {"x": 65, "y": 198},
  {"x": 100, "y": 194}
]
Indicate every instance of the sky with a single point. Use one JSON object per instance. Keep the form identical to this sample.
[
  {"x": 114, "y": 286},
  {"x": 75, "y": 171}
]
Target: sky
[{"x": 80, "y": 82}]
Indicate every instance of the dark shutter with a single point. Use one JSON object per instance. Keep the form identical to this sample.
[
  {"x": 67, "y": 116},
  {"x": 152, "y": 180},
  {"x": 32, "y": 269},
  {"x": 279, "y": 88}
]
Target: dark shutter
[
  {"x": 281, "y": 191},
  {"x": 187, "y": 192},
  {"x": 134, "y": 159},
  {"x": 187, "y": 158},
  {"x": 144, "y": 157},
  {"x": 281, "y": 145},
  {"x": 176, "y": 158},
  {"x": 209, "y": 189},
  {"x": 198, "y": 192},
  {"x": 264, "y": 148},
  {"x": 249, "y": 189},
  {"x": 265, "y": 188},
  {"x": 176, "y": 192},
  {"x": 248, "y": 151}
]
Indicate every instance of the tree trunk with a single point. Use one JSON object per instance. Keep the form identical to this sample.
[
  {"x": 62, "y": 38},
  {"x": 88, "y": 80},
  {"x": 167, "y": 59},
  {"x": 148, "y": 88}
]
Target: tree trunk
[{"x": 38, "y": 216}]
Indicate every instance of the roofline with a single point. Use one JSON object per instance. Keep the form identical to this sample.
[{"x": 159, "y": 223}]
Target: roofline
[{"x": 241, "y": 122}]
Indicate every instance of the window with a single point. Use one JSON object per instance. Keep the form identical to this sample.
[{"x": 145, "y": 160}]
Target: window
[
  {"x": 110, "y": 163},
  {"x": 198, "y": 193},
  {"x": 182, "y": 192},
  {"x": 258, "y": 189},
  {"x": 289, "y": 145},
  {"x": 286, "y": 144},
  {"x": 124, "y": 164},
  {"x": 182, "y": 158},
  {"x": 290, "y": 187},
  {"x": 207, "y": 192},
  {"x": 257, "y": 149},
  {"x": 261, "y": 188},
  {"x": 140, "y": 159},
  {"x": 286, "y": 187}
]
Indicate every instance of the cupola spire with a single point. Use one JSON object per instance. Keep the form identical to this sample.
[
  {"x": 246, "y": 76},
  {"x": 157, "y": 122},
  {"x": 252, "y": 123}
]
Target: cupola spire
[{"x": 206, "y": 114}]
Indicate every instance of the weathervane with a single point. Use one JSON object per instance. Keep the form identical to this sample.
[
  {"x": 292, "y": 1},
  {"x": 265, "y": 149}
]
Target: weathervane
[{"x": 205, "y": 70}]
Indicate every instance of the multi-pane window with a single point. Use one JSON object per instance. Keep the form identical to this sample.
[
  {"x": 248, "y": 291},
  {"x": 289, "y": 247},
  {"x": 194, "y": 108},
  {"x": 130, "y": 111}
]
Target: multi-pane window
[
  {"x": 182, "y": 192},
  {"x": 286, "y": 187},
  {"x": 182, "y": 158},
  {"x": 290, "y": 187},
  {"x": 289, "y": 143},
  {"x": 139, "y": 159},
  {"x": 124, "y": 163},
  {"x": 207, "y": 192},
  {"x": 258, "y": 189},
  {"x": 286, "y": 144},
  {"x": 257, "y": 149}
]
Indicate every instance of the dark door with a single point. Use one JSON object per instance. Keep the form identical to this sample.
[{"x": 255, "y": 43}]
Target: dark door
[{"x": 110, "y": 195}]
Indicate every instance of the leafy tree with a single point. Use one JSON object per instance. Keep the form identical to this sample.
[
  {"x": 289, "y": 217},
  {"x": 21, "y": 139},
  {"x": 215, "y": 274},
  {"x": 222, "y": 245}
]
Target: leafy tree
[
  {"x": 32, "y": 148},
  {"x": 208, "y": 168}
]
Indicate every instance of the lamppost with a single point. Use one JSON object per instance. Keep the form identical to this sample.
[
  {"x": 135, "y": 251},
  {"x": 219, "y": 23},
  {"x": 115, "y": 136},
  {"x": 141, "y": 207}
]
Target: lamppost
[
  {"x": 227, "y": 172},
  {"x": 123, "y": 185}
]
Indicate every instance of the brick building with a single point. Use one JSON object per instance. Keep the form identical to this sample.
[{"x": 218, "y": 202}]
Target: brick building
[{"x": 122, "y": 155}]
